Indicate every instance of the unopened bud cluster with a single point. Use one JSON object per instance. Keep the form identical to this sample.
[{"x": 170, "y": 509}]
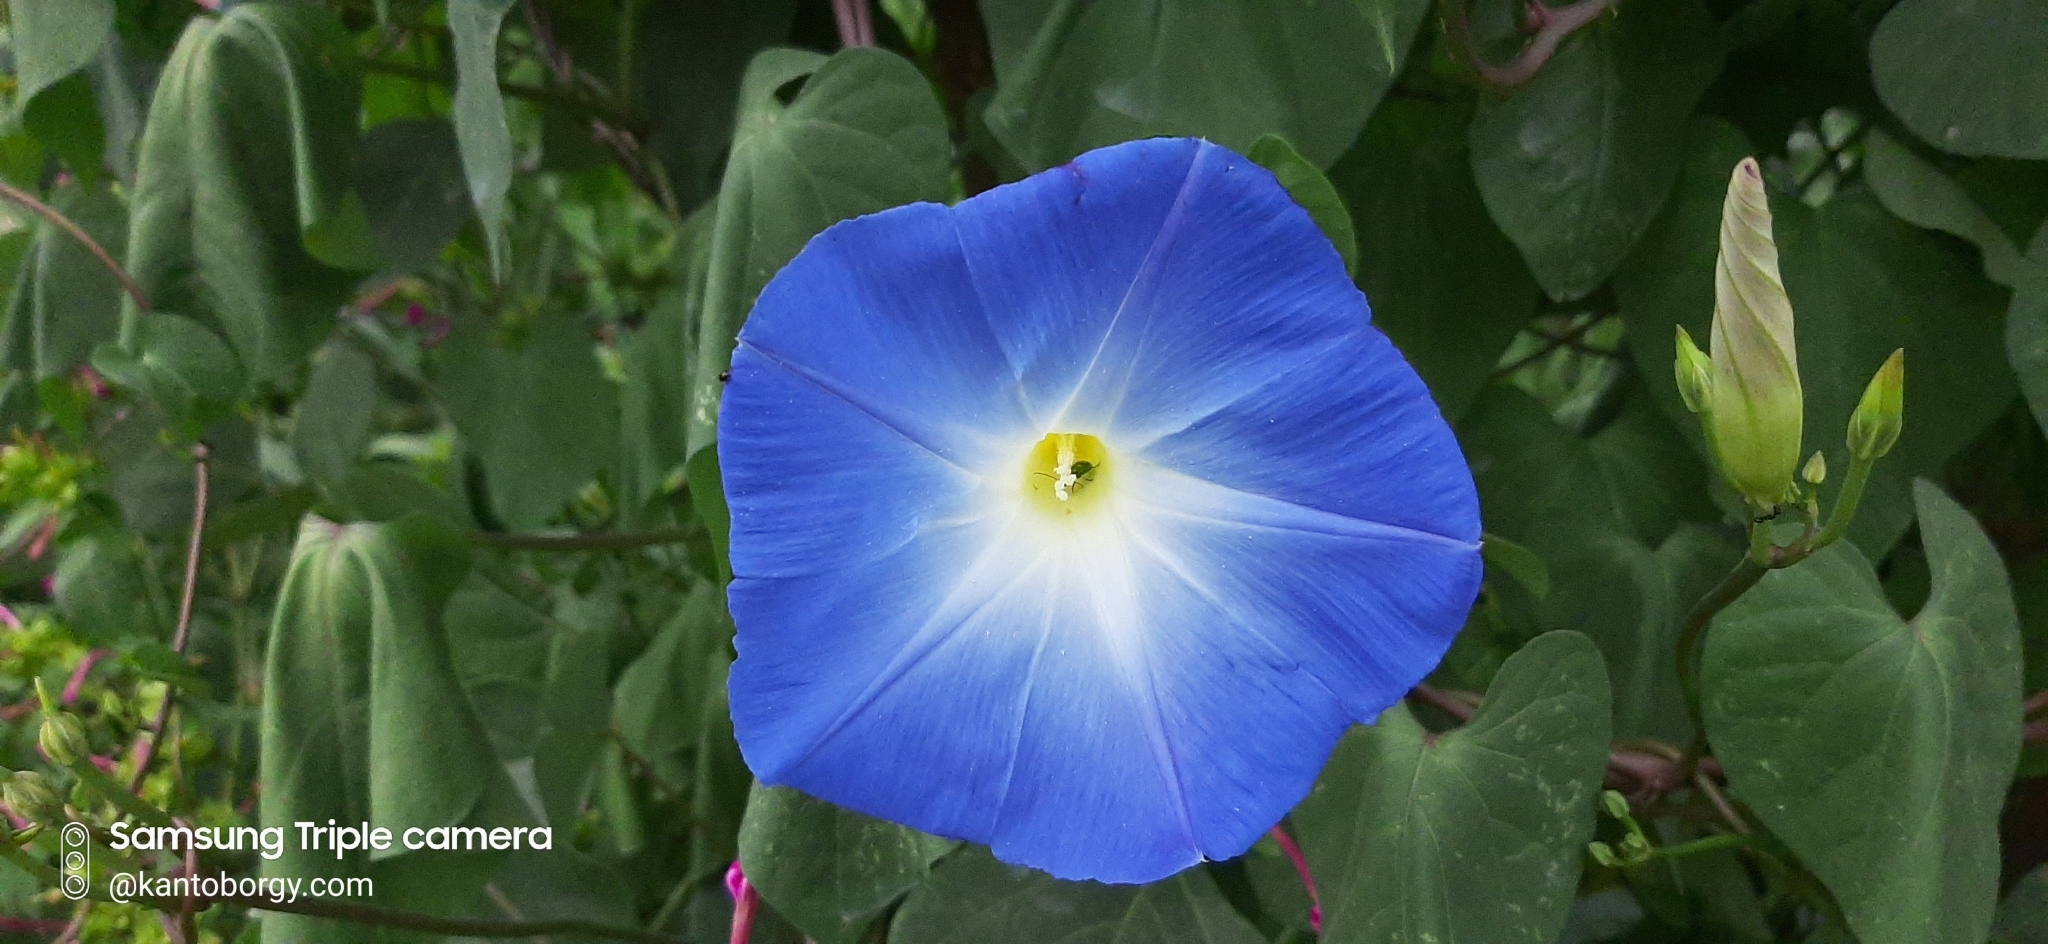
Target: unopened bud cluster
[
  {"x": 31, "y": 796},
  {"x": 1746, "y": 386}
]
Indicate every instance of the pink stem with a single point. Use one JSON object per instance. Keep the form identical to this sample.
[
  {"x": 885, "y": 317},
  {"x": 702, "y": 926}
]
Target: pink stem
[
  {"x": 855, "y": 28},
  {"x": 77, "y": 683},
  {"x": 1308, "y": 882},
  {"x": 745, "y": 901}
]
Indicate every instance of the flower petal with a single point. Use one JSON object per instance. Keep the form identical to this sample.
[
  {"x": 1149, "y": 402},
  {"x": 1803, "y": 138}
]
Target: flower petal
[
  {"x": 803, "y": 503},
  {"x": 1287, "y": 542},
  {"x": 1351, "y": 433},
  {"x": 881, "y": 309}
]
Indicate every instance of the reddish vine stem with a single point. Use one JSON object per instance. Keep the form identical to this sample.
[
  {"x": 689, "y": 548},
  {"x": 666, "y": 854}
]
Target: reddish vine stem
[
  {"x": 743, "y": 910},
  {"x": 1443, "y": 701},
  {"x": 155, "y": 731},
  {"x": 78, "y": 233},
  {"x": 1308, "y": 881},
  {"x": 856, "y": 28},
  {"x": 1547, "y": 26}
]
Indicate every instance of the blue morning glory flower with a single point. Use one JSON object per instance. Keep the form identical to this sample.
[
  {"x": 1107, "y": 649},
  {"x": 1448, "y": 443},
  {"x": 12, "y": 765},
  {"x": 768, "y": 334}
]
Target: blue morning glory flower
[{"x": 1082, "y": 518}]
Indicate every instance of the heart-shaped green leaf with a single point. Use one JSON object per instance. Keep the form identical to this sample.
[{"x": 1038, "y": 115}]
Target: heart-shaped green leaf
[
  {"x": 1575, "y": 164},
  {"x": 1071, "y": 76},
  {"x": 1878, "y": 748},
  {"x": 1473, "y": 836}
]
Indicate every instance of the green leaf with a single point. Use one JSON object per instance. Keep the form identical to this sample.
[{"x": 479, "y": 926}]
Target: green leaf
[
  {"x": 242, "y": 214},
  {"x": 1966, "y": 77},
  {"x": 180, "y": 365},
  {"x": 1312, "y": 190},
  {"x": 1474, "y": 835},
  {"x": 1915, "y": 191},
  {"x": 66, "y": 117},
  {"x": 537, "y": 411},
  {"x": 660, "y": 697},
  {"x": 1575, "y": 165},
  {"x": 1519, "y": 562},
  {"x": 1653, "y": 474},
  {"x": 973, "y": 899},
  {"x": 1862, "y": 283},
  {"x": 333, "y": 419},
  {"x": 828, "y": 870},
  {"x": 862, "y": 133},
  {"x": 65, "y": 299},
  {"x": 689, "y": 100},
  {"x": 1444, "y": 284},
  {"x": 410, "y": 174},
  {"x": 480, "y": 128},
  {"x": 656, "y": 358},
  {"x": 363, "y": 718},
  {"x": 723, "y": 785},
  {"x": 103, "y": 592},
  {"x": 1072, "y": 76},
  {"x": 51, "y": 39},
  {"x": 1878, "y": 748},
  {"x": 2026, "y": 331},
  {"x": 1531, "y": 472},
  {"x": 707, "y": 498},
  {"x": 2023, "y": 917}
]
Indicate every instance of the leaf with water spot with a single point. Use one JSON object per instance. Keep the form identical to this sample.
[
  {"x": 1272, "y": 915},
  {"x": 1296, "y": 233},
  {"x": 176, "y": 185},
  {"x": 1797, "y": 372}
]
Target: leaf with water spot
[{"x": 1473, "y": 837}]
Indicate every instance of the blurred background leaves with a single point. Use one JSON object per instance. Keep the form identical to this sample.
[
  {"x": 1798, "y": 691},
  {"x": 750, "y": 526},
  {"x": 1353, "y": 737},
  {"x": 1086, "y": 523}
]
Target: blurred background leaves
[{"x": 446, "y": 288}]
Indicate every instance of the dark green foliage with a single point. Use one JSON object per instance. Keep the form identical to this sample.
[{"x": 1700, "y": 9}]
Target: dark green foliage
[{"x": 445, "y": 290}]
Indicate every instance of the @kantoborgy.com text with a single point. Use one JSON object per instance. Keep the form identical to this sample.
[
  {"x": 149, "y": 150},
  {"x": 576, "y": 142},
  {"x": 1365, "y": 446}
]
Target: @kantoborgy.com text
[{"x": 129, "y": 886}]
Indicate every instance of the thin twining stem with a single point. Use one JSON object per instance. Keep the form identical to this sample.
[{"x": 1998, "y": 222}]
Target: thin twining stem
[{"x": 78, "y": 233}]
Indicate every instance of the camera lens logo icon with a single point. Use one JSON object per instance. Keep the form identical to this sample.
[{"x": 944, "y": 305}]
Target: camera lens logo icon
[{"x": 75, "y": 854}]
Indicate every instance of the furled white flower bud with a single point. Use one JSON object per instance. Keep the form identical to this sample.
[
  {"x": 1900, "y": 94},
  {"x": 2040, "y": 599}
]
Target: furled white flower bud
[{"x": 1755, "y": 407}]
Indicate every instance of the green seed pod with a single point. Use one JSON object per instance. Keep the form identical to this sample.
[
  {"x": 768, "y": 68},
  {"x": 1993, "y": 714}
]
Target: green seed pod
[
  {"x": 30, "y": 796},
  {"x": 1755, "y": 407},
  {"x": 1881, "y": 414}
]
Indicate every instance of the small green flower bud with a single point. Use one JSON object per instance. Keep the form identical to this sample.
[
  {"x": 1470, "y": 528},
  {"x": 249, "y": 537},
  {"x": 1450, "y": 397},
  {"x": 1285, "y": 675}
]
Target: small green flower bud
[
  {"x": 1604, "y": 854},
  {"x": 1695, "y": 372},
  {"x": 62, "y": 738},
  {"x": 1755, "y": 406},
  {"x": 31, "y": 797},
  {"x": 1879, "y": 416},
  {"x": 1615, "y": 803},
  {"x": 1816, "y": 470},
  {"x": 1634, "y": 848}
]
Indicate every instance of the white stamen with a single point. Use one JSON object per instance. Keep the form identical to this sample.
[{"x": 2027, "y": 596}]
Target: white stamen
[{"x": 1063, "y": 470}]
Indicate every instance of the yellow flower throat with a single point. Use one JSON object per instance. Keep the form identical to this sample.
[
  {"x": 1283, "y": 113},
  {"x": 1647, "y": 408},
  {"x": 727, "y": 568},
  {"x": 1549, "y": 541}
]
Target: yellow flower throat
[{"x": 1066, "y": 473}]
